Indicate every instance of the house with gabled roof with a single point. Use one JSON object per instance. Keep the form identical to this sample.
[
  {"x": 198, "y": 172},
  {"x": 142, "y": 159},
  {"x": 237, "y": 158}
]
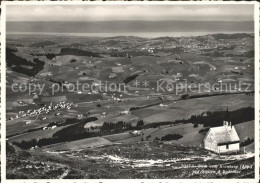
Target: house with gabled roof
[{"x": 222, "y": 139}]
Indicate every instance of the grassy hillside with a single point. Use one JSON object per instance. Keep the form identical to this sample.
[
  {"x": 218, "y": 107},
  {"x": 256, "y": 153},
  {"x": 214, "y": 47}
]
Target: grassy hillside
[{"x": 130, "y": 160}]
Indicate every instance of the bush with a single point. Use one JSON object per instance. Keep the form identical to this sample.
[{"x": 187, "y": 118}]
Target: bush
[
  {"x": 171, "y": 137},
  {"x": 195, "y": 125},
  {"x": 156, "y": 139},
  {"x": 130, "y": 78},
  {"x": 184, "y": 96},
  {"x": 246, "y": 142},
  {"x": 204, "y": 130}
]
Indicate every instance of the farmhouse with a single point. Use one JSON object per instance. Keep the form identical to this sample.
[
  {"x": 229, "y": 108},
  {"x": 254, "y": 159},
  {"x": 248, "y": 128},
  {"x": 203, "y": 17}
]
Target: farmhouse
[
  {"x": 29, "y": 99},
  {"x": 222, "y": 139}
]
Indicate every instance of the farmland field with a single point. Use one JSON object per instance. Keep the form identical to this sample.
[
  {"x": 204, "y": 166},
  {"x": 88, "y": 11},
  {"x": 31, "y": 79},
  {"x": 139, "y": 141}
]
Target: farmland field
[{"x": 96, "y": 110}]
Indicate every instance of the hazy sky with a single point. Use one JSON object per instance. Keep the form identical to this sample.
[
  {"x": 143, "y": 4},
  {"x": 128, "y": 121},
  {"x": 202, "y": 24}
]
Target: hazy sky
[{"x": 129, "y": 12}]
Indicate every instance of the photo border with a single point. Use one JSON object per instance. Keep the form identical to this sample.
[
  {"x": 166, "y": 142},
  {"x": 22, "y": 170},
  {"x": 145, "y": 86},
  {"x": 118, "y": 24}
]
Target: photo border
[{"x": 3, "y": 89}]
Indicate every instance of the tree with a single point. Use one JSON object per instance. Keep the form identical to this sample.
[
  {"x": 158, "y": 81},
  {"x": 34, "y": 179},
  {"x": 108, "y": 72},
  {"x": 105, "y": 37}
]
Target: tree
[
  {"x": 195, "y": 125},
  {"x": 140, "y": 123},
  {"x": 185, "y": 96}
]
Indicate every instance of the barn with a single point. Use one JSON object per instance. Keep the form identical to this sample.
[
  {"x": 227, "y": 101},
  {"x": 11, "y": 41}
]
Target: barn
[{"x": 222, "y": 139}]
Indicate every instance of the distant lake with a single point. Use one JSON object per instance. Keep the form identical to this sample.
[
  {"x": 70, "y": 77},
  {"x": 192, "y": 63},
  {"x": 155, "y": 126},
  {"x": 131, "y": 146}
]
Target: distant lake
[
  {"x": 130, "y": 28},
  {"x": 139, "y": 34}
]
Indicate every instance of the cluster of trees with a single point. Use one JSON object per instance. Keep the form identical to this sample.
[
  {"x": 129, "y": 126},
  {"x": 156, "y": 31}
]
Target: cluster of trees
[
  {"x": 216, "y": 118},
  {"x": 188, "y": 96},
  {"x": 140, "y": 124},
  {"x": 22, "y": 65},
  {"x": 26, "y": 144},
  {"x": 54, "y": 139},
  {"x": 118, "y": 127},
  {"x": 77, "y": 52},
  {"x": 130, "y": 78},
  {"x": 212, "y": 119},
  {"x": 216, "y": 53},
  {"x": 75, "y": 131},
  {"x": 50, "y": 56},
  {"x": 246, "y": 142},
  {"x": 167, "y": 137},
  {"x": 141, "y": 107},
  {"x": 128, "y": 53}
]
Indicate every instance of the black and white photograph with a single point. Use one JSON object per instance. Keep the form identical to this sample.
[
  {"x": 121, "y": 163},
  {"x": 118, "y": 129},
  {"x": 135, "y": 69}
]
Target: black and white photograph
[{"x": 130, "y": 90}]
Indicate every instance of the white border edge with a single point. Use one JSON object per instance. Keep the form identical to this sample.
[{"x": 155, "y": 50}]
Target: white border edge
[{"x": 3, "y": 91}]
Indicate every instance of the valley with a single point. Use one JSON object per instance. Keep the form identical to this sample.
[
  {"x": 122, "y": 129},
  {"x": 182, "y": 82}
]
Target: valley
[{"x": 127, "y": 105}]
